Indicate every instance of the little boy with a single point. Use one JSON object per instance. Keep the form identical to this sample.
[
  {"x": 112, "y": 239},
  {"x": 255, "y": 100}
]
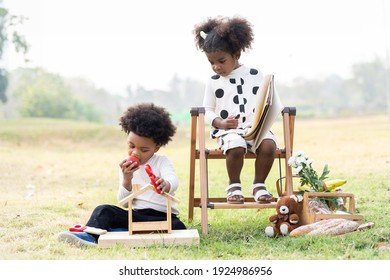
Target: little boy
[{"x": 148, "y": 128}]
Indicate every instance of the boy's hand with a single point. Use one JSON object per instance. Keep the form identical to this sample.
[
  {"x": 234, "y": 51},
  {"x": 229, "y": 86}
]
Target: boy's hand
[
  {"x": 163, "y": 185},
  {"x": 128, "y": 168},
  {"x": 128, "y": 165},
  {"x": 131, "y": 160}
]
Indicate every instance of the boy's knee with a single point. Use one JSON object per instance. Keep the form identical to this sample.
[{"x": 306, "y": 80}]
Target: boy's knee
[{"x": 101, "y": 209}]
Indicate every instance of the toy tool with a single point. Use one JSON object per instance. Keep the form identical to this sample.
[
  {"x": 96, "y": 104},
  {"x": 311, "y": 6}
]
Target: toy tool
[
  {"x": 152, "y": 177},
  {"x": 83, "y": 228},
  {"x": 77, "y": 228}
]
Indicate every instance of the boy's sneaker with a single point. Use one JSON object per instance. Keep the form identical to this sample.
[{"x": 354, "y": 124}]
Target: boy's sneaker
[{"x": 77, "y": 238}]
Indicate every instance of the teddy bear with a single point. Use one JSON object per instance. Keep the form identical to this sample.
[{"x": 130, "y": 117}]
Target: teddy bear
[{"x": 286, "y": 218}]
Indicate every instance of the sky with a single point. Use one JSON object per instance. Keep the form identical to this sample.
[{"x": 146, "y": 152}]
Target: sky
[{"x": 120, "y": 43}]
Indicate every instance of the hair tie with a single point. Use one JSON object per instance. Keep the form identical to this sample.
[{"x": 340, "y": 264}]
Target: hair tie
[{"x": 203, "y": 35}]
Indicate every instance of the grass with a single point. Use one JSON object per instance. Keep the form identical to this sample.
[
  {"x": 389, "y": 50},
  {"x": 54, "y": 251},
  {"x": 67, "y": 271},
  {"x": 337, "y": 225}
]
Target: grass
[{"x": 54, "y": 172}]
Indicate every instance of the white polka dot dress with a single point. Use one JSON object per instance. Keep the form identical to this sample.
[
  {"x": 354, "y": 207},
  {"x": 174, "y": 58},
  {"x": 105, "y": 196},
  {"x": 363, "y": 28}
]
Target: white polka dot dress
[{"x": 232, "y": 95}]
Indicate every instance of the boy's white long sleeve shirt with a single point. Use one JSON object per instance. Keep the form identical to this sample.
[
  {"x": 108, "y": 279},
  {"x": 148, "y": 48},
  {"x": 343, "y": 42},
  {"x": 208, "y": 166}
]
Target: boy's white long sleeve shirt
[{"x": 162, "y": 167}]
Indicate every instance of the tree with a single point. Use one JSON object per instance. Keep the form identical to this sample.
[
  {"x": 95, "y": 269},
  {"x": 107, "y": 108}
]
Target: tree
[
  {"x": 370, "y": 77},
  {"x": 9, "y": 34},
  {"x": 45, "y": 95}
]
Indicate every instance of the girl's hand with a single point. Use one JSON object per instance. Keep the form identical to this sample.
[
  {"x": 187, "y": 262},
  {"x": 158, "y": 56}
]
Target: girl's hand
[
  {"x": 230, "y": 122},
  {"x": 163, "y": 185}
]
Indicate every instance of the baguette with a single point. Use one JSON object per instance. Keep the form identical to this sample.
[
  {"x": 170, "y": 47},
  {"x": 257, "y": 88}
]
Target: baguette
[
  {"x": 338, "y": 228},
  {"x": 307, "y": 228},
  {"x": 326, "y": 226},
  {"x": 323, "y": 227}
]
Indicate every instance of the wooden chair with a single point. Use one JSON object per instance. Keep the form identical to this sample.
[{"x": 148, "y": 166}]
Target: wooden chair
[{"x": 203, "y": 154}]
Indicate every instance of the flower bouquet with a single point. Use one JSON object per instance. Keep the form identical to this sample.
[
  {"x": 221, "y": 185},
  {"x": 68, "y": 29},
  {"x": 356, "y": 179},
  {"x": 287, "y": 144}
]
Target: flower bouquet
[
  {"x": 309, "y": 179},
  {"x": 303, "y": 166}
]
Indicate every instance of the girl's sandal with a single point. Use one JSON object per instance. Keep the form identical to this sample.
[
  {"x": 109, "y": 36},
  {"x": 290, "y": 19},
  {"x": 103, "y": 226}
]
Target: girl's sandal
[
  {"x": 261, "y": 195},
  {"x": 234, "y": 196}
]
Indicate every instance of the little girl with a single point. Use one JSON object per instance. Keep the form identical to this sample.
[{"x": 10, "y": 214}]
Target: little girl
[
  {"x": 229, "y": 101},
  {"x": 148, "y": 128}
]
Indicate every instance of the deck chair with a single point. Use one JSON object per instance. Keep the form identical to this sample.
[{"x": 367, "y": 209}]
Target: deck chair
[{"x": 199, "y": 152}]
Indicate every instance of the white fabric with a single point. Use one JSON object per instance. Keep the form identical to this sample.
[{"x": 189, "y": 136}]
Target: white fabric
[
  {"x": 230, "y": 141},
  {"x": 233, "y": 140},
  {"x": 162, "y": 167}
]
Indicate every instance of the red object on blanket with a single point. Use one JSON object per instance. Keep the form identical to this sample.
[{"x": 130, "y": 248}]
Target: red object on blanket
[{"x": 152, "y": 177}]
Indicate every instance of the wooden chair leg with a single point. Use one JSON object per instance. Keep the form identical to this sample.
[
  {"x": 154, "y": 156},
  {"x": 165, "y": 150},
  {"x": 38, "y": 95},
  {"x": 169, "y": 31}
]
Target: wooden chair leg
[
  {"x": 203, "y": 175},
  {"x": 191, "y": 191},
  {"x": 287, "y": 115},
  {"x": 291, "y": 126}
]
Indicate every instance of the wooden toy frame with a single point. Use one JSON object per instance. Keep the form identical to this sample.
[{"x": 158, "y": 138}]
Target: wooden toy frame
[{"x": 154, "y": 226}]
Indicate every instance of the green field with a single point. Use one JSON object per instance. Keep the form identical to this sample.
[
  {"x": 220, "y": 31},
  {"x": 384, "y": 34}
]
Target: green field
[{"x": 54, "y": 172}]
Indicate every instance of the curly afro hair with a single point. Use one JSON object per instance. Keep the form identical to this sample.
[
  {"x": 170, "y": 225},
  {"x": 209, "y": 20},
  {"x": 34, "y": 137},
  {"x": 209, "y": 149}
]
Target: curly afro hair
[
  {"x": 148, "y": 120},
  {"x": 225, "y": 34}
]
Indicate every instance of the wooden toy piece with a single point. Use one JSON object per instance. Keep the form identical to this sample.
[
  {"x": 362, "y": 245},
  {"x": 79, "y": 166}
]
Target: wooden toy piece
[
  {"x": 97, "y": 231},
  {"x": 152, "y": 226},
  {"x": 187, "y": 237}
]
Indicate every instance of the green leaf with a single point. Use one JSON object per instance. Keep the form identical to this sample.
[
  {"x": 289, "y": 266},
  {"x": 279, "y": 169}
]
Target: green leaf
[{"x": 324, "y": 173}]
